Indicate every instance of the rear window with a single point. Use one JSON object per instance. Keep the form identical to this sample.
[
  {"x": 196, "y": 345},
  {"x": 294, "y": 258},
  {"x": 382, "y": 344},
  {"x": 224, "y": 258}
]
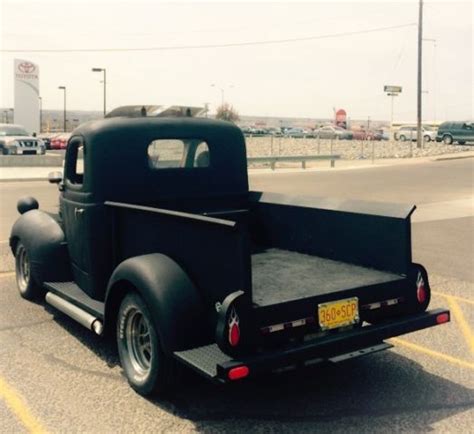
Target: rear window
[{"x": 178, "y": 154}]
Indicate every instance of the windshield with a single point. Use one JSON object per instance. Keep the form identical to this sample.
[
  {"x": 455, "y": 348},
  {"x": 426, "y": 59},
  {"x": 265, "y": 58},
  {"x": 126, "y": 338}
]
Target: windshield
[{"x": 6, "y": 130}]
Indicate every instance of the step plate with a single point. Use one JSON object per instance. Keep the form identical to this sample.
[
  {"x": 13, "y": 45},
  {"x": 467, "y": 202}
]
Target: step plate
[{"x": 203, "y": 359}]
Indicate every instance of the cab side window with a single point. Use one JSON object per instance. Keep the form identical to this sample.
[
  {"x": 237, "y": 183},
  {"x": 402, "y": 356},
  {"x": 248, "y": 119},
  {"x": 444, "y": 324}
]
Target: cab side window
[{"x": 74, "y": 170}]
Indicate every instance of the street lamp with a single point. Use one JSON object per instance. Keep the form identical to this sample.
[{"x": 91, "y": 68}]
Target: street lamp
[
  {"x": 105, "y": 85},
  {"x": 222, "y": 91},
  {"x": 41, "y": 112},
  {"x": 64, "y": 116}
]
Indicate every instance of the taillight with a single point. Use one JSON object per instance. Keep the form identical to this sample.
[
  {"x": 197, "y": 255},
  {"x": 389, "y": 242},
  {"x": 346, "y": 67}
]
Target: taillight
[
  {"x": 238, "y": 373},
  {"x": 442, "y": 318},
  {"x": 420, "y": 289}
]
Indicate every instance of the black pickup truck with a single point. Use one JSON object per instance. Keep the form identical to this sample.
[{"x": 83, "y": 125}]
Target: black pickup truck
[{"x": 159, "y": 242}]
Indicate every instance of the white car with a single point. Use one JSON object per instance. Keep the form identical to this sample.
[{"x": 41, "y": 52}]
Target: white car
[
  {"x": 409, "y": 133},
  {"x": 15, "y": 140}
]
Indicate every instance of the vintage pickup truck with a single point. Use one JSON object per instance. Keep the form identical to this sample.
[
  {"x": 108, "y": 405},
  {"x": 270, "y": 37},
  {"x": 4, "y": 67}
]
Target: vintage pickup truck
[{"x": 159, "y": 243}]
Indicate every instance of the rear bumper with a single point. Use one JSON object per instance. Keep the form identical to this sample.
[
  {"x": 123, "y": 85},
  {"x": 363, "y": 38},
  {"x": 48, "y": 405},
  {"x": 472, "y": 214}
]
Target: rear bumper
[{"x": 214, "y": 364}]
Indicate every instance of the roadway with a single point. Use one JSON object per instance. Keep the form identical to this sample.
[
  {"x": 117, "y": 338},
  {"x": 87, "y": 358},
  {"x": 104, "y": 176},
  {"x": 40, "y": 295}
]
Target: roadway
[{"x": 56, "y": 376}]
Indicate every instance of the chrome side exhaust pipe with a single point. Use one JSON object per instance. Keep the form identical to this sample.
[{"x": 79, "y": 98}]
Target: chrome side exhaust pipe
[{"x": 77, "y": 314}]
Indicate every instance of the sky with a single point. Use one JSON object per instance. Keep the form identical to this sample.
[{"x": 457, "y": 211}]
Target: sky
[{"x": 305, "y": 78}]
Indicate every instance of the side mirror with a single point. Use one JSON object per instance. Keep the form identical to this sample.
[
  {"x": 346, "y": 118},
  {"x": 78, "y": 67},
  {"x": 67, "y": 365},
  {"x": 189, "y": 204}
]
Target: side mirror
[{"x": 55, "y": 177}]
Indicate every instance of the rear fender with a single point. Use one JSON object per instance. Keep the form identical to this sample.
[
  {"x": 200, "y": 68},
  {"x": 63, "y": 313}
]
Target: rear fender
[
  {"x": 46, "y": 245},
  {"x": 173, "y": 300}
]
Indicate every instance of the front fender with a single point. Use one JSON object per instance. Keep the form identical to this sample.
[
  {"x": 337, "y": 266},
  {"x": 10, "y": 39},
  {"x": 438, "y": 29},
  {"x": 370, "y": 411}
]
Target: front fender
[
  {"x": 45, "y": 243},
  {"x": 174, "y": 302}
]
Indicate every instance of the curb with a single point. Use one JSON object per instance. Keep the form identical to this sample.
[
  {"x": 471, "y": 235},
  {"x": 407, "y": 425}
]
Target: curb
[
  {"x": 454, "y": 158},
  {"x": 24, "y": 179}
]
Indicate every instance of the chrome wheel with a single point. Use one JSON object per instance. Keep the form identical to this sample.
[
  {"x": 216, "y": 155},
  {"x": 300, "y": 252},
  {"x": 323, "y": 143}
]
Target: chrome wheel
[
  {"x": 138, "y": 341},
  {"x": 23, "y": 275}
]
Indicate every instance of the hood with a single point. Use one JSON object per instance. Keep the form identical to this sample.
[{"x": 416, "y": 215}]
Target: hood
[{"x": 9, "y": 139}]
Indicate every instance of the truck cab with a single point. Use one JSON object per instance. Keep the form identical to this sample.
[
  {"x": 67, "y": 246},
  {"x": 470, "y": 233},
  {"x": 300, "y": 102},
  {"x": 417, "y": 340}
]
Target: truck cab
[{"x": 160, "y": 243}]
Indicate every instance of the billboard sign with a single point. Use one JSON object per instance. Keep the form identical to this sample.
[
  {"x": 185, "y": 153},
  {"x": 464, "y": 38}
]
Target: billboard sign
[
  {"x": 341, "y": 118},
  {"x": 26, "y": 98},
  {"x": 392, "y": 89}
]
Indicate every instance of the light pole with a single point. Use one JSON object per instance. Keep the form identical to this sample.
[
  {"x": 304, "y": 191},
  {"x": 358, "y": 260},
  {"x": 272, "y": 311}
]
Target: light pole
[
  {"x": 434, "y": 74},
  {"x": 105, "y": 86},
  {"x": 222, "y": 89},
  {"x": 64, "y": 115},
  {"x": 419, "y": 138},
  {"x": 41, "y": 112}
]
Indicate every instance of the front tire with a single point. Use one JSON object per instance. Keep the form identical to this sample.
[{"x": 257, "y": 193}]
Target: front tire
[
  {"x": 25, "y": 281},
  {"x": 402, "y": 138},
  {"x": 427, "y": 139},
  {"x": 147, "y": 368}
]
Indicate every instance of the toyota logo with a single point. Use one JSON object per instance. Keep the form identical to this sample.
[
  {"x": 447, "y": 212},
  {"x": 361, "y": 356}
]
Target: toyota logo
[{"x": 26, "y": 67}]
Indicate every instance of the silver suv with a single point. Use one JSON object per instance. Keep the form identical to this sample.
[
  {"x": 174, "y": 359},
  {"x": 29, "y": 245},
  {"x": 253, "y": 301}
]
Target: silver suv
[
  {"x": 15, "y": 140},
  {"x": 409, "y": 133}
]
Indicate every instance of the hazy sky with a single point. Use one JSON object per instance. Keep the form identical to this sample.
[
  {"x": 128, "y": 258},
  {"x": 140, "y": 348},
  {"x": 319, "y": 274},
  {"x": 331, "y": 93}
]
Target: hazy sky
[{"x": 305, "y": 78}]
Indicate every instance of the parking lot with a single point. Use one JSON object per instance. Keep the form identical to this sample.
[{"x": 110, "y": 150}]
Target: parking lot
[{"x": 57, "y": 376}]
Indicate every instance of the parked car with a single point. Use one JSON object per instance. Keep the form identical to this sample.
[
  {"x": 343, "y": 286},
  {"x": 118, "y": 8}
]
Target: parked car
[
  {"x": 15, "y": 140},
  {"x": 331, "y": 132},
  {"x": 60, "y": 141},
  {"x": 46, "y": 138},
  {"x": 233, "y": 283},
  {"x": 450, "y": 132},
  {"x": 296, "y": 132},
  {"x": 384, "y": 134},
  {"x": 366, "y": 135},
  {"x": 410, "y": 133}
]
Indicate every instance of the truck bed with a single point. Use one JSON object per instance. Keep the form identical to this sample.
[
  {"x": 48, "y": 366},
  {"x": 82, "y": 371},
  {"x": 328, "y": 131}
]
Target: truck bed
[{"x": 280, "y": 276}]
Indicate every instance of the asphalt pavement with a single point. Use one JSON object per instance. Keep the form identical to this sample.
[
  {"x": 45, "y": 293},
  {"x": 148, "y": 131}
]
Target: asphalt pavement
[{"x": 56, "y": 376}]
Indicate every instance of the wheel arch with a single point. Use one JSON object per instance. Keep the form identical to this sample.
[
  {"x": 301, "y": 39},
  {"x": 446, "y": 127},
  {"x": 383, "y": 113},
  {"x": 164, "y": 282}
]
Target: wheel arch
[
  {"x": 45, "y": 243},
  {"x": 174, "y": 301}
]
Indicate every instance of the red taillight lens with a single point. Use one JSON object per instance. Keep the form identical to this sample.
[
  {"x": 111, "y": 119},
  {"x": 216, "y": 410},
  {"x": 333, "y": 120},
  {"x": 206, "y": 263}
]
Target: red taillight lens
[
  {"x": 442, "y": 318},
  {"x": 238, "y": 373},
  {"x": 421, "y": 294}
]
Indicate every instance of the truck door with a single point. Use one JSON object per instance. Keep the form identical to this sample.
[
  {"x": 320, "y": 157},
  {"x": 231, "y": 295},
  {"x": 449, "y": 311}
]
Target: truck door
[{"x": 74, "y": 206}]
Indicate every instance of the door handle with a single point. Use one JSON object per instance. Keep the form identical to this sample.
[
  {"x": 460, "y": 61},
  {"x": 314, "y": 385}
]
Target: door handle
[{"x": 78, "y": 212}]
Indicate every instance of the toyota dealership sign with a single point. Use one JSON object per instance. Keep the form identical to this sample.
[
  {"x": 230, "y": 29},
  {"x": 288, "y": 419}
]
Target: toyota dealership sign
[{"x": 27, "y": 95}]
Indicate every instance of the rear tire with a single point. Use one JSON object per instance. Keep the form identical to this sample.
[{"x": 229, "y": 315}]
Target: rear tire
[
  {"x": 448, "y": 140},
  {"x": 25, "y": 281},
  {"x": 147, "y": 368}
]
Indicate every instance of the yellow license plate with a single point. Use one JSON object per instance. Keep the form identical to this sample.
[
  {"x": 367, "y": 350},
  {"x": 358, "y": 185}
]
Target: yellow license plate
[{"x": 338, "y": 313}]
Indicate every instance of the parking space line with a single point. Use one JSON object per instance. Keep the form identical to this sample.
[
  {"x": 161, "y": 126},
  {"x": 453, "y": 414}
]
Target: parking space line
[
  {"x": 18, "y": 406},
  {"x": 7, "y": 273},
  {"x": 445, "y": 357},
  {"x": 455, "y": 297},
  {"x": 461, "y": 321}
]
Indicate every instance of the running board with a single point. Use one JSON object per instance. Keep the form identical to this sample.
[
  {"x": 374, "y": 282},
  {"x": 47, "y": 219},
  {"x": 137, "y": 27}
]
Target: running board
[{"x": 68, "y": 298}]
